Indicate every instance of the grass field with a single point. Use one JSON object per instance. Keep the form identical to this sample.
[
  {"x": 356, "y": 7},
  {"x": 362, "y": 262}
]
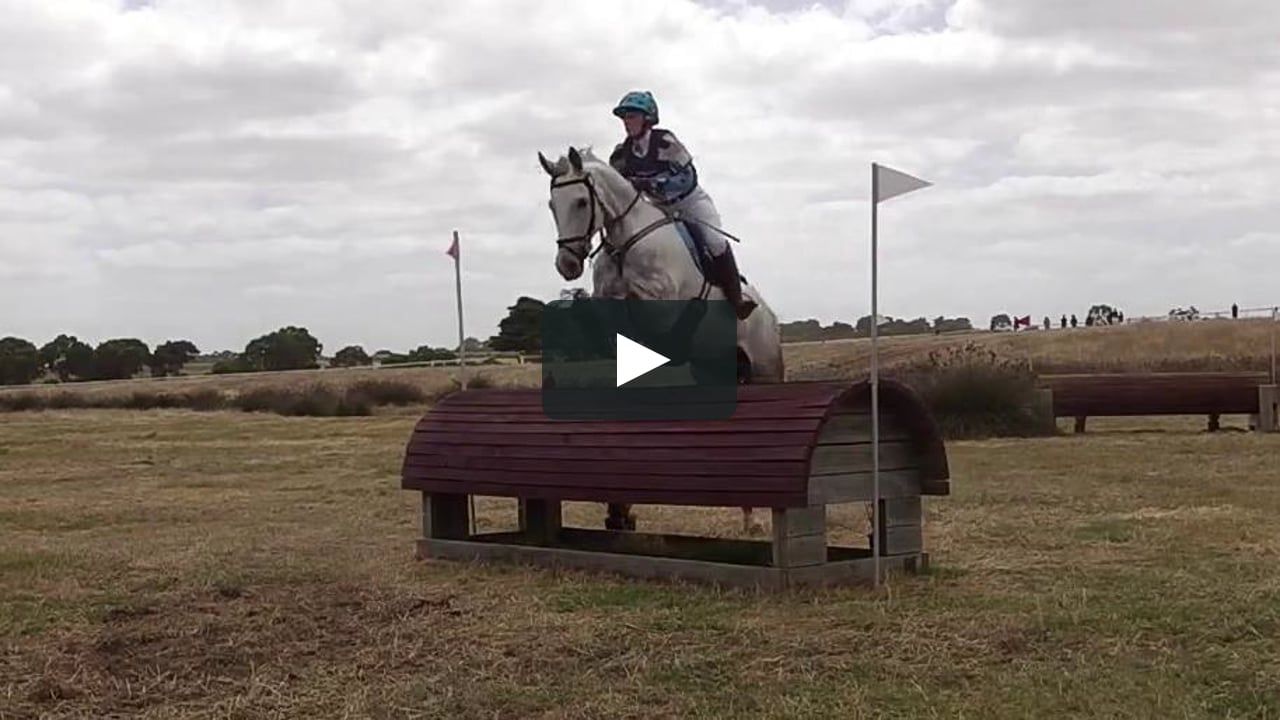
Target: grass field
[
  {"x": 170, "y": 563},
  {"x": 178, "y": 564}
]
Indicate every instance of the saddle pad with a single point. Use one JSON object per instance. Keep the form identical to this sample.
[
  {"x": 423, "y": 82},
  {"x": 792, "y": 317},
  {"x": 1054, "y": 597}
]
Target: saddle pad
[{"x": 696, "y": 249}]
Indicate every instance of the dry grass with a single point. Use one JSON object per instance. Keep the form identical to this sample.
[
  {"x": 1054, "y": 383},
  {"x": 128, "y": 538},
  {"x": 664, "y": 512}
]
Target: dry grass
[
  {"x": 169, "y": 564},
  {"x": 1155, "y": 346}
]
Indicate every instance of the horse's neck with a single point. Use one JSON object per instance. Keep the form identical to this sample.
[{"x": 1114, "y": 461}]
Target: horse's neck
[{"x": 656, "y": 266}]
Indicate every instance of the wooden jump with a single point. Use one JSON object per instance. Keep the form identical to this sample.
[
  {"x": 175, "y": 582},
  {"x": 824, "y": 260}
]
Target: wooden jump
[
  {"x": 1148, "y": 394},
  {"x": 791, "y": 447}
]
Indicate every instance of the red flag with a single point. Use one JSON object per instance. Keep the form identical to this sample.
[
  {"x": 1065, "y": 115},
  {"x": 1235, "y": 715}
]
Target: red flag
[{"x": 453, "y": 251}]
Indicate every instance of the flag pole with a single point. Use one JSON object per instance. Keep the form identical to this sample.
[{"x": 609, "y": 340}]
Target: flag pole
[
  {"x": 456, "y": 251},
  {"x": 899, "y": 183},
  {"x": 875, "y": 382},
  {"x": 1274, "y": 311}
]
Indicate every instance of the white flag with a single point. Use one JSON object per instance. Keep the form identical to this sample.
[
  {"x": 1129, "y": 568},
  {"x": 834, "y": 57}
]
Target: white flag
[{"x": 892, "y": 183}]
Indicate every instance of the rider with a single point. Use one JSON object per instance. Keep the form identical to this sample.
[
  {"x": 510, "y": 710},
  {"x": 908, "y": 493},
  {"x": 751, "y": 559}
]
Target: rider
[{"x": 658, "y": 164}]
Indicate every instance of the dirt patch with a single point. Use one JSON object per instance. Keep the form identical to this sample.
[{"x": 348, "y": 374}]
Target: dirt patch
[{"x": 182, "y": 648}]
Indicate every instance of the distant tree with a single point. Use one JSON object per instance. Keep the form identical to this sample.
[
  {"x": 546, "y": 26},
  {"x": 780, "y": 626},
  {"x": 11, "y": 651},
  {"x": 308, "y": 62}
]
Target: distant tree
[
  {"x": 918, "y": 326},
  {"x": 473, "y": 345},
  {"x": 120, "y": 358},
  {"x": 426, "y": 353},
  {"x": 801, "y": 330},
  {"x": 945, "y": 324},
  {"x": 289, "y": 348},
  {"x": 169, "y": 357},
  {"x": 521, "y": 329},
  {"x": 235, "y": 364},
  {"x": 67, "y": 357},
  {"x": 20, "y": 362},
  {"x": 350, "y": 356}
]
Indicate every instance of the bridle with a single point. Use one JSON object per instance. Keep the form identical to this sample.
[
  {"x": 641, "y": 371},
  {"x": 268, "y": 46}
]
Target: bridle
[{"x": 616, "y": 253}]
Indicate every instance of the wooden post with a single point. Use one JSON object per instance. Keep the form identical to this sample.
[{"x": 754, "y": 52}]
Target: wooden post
[
  {"x": 1044, "y": 408},
  {"x": 444, "y": 516},
  {"x": 903, "y": 531},
  {"x": 540, "y": 520},
  {"x": 799, "y": 536},
  {"x": 1268, "y": 408}
]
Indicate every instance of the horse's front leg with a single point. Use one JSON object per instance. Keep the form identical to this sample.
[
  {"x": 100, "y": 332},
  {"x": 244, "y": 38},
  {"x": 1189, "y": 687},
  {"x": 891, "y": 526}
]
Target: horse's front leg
[
  {"x": 750, "y": 525},
  {"x": 619, "y": 517}
]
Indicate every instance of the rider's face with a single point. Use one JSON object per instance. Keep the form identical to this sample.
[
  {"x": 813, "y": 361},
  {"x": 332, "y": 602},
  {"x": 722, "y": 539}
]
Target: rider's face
[{"x": 634, "y": 123}]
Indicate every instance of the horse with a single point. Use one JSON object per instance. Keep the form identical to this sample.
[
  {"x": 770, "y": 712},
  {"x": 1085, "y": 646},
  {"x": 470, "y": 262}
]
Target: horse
[{"x": 647, "y": 259}]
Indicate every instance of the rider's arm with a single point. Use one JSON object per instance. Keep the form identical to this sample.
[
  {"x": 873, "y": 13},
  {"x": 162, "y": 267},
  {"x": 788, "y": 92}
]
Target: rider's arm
[{"x": 677, "y": 175}]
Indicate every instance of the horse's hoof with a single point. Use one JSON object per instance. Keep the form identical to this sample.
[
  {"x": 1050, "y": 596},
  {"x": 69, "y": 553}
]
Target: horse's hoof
[{"x": 755, "y": 527}]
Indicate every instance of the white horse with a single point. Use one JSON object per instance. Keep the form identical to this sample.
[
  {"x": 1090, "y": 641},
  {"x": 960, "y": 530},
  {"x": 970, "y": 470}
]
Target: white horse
[{"x": 645, "y": 258}]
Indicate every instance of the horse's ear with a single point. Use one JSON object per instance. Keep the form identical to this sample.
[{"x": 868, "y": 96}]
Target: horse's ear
[
  {"x": 546, "y": 164},
  {"x": 575, "y": 159}
]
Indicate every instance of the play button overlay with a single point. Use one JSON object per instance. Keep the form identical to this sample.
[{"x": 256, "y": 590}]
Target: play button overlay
[
  {"x": 639, "y": 360},
  {"x": 634, "y": 360}
]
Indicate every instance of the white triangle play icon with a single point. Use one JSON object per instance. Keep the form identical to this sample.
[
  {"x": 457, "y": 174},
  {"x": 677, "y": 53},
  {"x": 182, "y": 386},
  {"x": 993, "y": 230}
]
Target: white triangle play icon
[{"x": 634, "y": 360}]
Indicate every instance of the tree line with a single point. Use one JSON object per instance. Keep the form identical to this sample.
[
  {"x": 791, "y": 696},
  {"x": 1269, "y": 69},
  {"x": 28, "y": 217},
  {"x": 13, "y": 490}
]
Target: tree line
[{"x": 66, "y": 358}]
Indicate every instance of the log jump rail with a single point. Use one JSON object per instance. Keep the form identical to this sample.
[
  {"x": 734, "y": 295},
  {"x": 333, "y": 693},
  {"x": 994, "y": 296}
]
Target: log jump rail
[
  {"x": 1149, "y": 394},
  {"x": 792, "y": 447}
]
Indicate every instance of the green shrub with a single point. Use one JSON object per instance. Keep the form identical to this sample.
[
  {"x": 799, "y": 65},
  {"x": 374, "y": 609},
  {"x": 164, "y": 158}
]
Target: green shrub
[
  {"x": 387, "y": 392},
  {"x": 67, "y": 399},
  {"x": 205, "y": 399},
  {"x": 974, "y": 393},
  {"x": 17, "y": 402},
  {"x": 315, "y": 400}
]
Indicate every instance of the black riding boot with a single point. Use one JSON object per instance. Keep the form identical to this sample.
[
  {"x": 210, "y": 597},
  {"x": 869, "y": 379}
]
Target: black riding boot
[{"x": 725, "y": 269}]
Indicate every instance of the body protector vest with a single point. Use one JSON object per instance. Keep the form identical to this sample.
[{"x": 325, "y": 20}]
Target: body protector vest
[{"x": 665, "y": 166}]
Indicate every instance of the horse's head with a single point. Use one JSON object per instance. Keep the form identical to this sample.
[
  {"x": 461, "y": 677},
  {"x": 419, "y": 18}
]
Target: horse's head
[{"x": 578, "y": 207}]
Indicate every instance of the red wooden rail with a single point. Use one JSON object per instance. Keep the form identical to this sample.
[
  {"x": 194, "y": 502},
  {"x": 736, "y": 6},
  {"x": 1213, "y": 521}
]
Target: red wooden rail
[{"x": 1134, "y": 394}]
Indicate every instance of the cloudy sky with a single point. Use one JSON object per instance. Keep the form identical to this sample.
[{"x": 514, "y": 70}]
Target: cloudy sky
[{"x": 214, "y": 169}]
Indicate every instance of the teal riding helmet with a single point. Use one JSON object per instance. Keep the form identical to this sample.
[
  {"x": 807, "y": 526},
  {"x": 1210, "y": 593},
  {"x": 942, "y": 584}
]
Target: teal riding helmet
[{"x": 640, "y": 101}]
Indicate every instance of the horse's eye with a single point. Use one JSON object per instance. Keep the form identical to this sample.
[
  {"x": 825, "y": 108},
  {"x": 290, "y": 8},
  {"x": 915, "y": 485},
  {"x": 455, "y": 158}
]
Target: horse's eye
[{"x": 582, "y": 202}]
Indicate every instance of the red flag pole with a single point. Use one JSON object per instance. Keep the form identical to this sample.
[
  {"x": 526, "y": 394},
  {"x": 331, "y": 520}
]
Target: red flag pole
[{"x": 455, "y": 251}]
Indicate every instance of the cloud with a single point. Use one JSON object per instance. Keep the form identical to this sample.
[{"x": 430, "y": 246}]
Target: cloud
[{"x": 215, "y": 170}]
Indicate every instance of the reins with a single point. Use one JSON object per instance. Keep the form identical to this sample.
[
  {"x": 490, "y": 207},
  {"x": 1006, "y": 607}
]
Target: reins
[{"x": 617, "y": 253}]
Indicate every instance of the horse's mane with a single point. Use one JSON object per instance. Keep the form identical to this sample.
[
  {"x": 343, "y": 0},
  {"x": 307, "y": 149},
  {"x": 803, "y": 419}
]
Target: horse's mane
[{"x": 589, "y": 158}]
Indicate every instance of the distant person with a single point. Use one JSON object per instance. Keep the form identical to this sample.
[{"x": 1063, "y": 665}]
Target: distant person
[
  {"x": 1074, "y": 322},
  {"x": 1235, "y": 311},
  {"x": 1064, "y": 321}
]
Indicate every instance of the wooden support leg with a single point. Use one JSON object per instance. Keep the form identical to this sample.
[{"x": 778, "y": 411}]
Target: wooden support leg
[
  {"x": 1080, "y": 423},
  {"x": 1044, "y": 408},
  {"x": 902, "y": 528},
  {"x": 445, "y": 516},
  {"x": 799, "y": 536},
  {"x": 1268, "y": 408},
  {"x": 1215, "y": 422},
  {"x": 540, "y": 520}
]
